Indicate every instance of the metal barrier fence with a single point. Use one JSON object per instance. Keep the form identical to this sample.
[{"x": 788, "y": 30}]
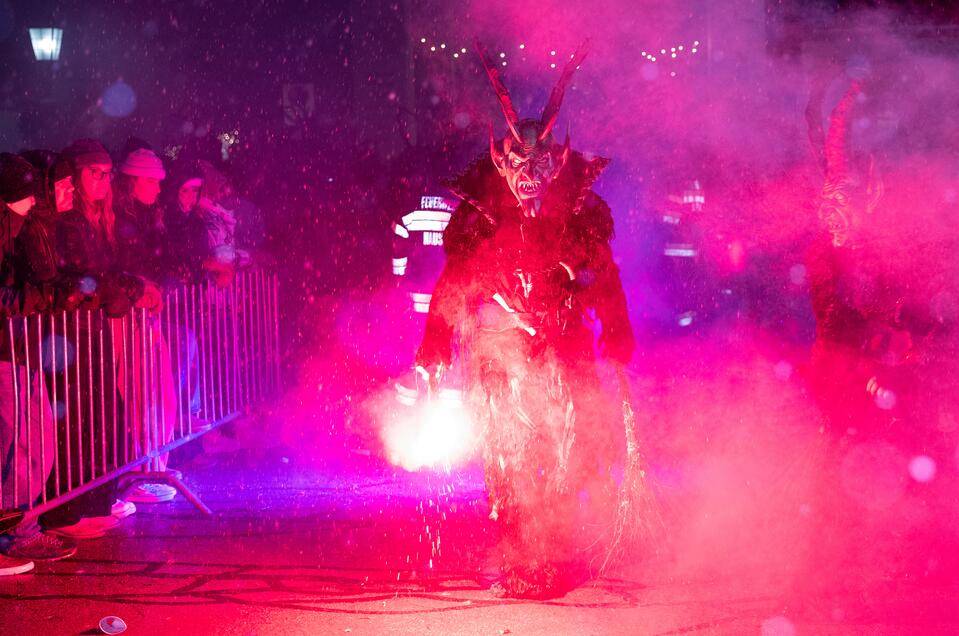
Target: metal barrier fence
[{"x": 85, "y": 398}]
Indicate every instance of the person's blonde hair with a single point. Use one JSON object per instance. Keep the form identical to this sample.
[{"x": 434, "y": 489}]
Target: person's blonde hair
[{"x": 98, "y": 213}]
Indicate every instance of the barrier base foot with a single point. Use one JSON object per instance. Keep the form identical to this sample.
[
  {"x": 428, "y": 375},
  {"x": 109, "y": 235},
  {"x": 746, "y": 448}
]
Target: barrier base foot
[{"x": 172, "y": 480}]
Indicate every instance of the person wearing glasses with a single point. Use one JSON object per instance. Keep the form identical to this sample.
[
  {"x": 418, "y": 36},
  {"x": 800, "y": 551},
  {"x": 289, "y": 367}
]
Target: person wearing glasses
[{"x": 85, "y": 244}]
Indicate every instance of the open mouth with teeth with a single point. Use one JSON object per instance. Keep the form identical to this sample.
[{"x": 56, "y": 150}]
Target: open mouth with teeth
[{"x": 529, "y": 188}]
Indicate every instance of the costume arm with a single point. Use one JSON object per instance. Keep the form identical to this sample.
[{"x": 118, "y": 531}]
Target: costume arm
[
  {"x": 447, "y": 309},
  {"x": 599, "y": 281},
  {"x": 448, "y": 303},
  {"x": 609, "y": 300}
]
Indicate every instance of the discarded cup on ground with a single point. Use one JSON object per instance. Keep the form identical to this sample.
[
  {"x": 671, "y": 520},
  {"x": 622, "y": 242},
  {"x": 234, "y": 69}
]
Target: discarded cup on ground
[{"x": 112, "y": 625}]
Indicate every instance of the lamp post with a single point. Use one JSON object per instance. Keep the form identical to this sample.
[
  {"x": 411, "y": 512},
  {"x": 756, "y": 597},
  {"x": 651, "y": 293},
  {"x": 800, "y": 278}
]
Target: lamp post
[{"x": 46, "y": 43}]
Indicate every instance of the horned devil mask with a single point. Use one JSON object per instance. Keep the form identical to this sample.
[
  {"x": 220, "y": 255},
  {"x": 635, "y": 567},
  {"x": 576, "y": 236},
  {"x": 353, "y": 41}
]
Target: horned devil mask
[
  {"x": 846, "y": 199},
  {"x": 529, "y": 158}
]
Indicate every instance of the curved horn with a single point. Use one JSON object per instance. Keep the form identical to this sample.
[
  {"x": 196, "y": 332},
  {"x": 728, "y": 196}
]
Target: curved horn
[
  {"x": 512, "y": 119},
  {"x": 495, "y": 153},
  {"x": 834, "y": 148},
  {"x": 551, "y": 112},
  {"x": 564, "y": 156},
  {"x": 817, "y": 136}
]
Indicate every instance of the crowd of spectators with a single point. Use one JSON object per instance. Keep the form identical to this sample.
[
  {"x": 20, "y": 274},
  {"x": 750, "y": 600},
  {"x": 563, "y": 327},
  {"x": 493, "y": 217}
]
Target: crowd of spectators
[{"x": 80, "y": 231}]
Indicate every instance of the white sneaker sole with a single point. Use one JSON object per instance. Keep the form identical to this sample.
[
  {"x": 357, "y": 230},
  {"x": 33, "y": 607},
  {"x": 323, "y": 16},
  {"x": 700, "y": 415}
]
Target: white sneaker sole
[
  {"x": 124, "y": 511},
  {"x": 87, "y": 533},
  {"x": 149, "y": 499},
  {"x": 71, "y": 534},
  {"x": 16, "y": 569}
]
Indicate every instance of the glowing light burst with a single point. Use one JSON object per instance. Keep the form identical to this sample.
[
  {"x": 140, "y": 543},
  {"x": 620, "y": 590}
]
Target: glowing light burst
[{"x": 434, "y": 434}]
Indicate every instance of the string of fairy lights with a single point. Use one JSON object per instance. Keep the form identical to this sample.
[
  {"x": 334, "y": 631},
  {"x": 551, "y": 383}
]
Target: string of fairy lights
[{"x": 552, "y": 57}]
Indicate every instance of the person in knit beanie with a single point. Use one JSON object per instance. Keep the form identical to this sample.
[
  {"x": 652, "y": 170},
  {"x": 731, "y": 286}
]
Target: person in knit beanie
[
  {"x": 142, "y": 243},
  {"x": 146, "y": 171},
  {"x": 143, "y": 250}
]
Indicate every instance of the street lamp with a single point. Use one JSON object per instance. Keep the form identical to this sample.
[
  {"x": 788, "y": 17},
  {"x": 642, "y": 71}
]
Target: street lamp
[{"x": 46, "y": 43}]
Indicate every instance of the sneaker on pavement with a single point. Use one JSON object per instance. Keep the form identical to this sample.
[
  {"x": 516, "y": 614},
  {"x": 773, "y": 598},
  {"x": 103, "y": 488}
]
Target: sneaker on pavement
[
  {"x": 146, "y": 492},
  {"x": 41, "y": 547},
  {"x": 122, "y": 509},
  {"x": 11, "y": 565},
  {"x": 87, "y": 528}
]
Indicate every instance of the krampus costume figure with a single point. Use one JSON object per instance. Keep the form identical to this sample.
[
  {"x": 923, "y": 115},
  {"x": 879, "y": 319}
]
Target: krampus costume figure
[
  {"x": 528, "y": 259},
  {"x": 845, "y": 309},
  {"x": 885, "y": 325}
]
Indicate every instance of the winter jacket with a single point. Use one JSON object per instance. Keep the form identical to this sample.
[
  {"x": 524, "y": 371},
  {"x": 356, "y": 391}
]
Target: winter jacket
[
  {"x": 188, "y": 243},
  {"x": 143, "y": 246},
  {"x": 84, "y": 252}
]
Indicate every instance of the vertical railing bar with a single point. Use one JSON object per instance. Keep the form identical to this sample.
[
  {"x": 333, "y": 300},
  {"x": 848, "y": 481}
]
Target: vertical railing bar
[
  {"x": 16, "y": 417},
  {"x": 276, "y": 333},
  {"x": 204, "y": 386},
  {"x": 225, "y": 350},
  {"x": 164, "y": 354},
  {"x": 66, "y": 399},
  {"x": 248, "y": 337},
  {"x": 267, "y": 338},
  {"x": 235, "y": 339},
  {"x": 147, "y": 390},
  {"x": 155, "y": 389},
  {"x": 179, "y": 367},
  {"x": 264, "y": 341},
  {"x": 271, "y": 356},
  {"x": 129, "y": 440},
  {"x": 189, "y": 328},
  {"x": 91, "y": 393},
  {"x": 270, "y": 330},
  {"x": 215, "y": 343},
  {"x": 76, "y": 366},
  {"x": 209, "y": 407},
  {"x": 241, "y": 338},
  {"x": 196, "y": 338},
  {"x": 257, "y": 335},
  {"x": 40, "y": 401},
  {"x": 264, "y": 338},
  {"x": 115, "y": 393},
  {"x": 213, "y": 348},
  {"x": 221, "y": 341},
  {"x": 144, "y": 417},
  {"x": 25, "y": 325},
  {"x": 55, "y": 404},
  {"x": 103, "y": 399},
  {"x": 156, "y": 386}
]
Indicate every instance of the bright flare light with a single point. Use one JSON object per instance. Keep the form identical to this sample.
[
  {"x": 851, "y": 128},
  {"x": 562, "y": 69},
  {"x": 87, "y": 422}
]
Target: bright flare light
[{"x": 435, "y": 434}]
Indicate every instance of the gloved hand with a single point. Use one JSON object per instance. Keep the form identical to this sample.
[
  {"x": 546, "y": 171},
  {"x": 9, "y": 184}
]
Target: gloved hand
[
  {"x": 432, "y": 374},
  {"x": 113, "y": 299},
  {"x": 151, "y": 299}
]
